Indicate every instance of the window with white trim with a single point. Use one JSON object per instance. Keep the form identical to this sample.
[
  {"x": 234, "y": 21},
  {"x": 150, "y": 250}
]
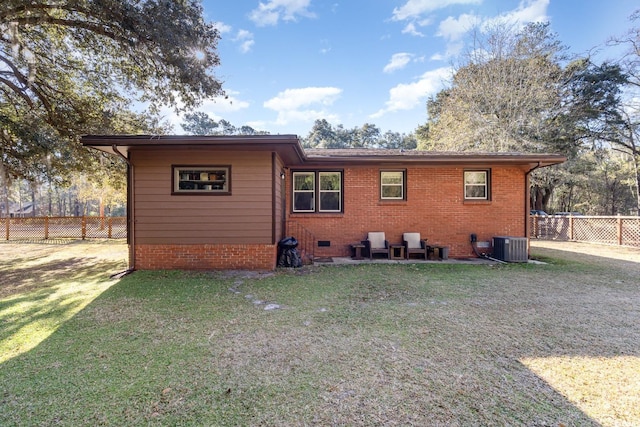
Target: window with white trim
[
  {"x": 317, "y": 191},
  {"x": 304, "y": 191},
  {"x": 476, "y": 185},
  {"x": 392, "y": 185},
  {"x": 330, "y": 191}
]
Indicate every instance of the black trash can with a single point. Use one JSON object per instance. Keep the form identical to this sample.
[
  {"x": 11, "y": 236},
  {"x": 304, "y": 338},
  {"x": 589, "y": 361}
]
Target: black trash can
[{"x": 288, "y": 254}]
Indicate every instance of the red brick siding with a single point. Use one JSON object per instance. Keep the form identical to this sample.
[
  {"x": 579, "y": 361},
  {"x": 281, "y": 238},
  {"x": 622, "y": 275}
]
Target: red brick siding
[
  {"x": 435, "y": 207},
  {"x": 206, "y": 257}
]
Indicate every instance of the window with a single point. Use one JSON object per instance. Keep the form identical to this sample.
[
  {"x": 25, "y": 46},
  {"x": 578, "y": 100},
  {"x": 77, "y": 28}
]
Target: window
[
  {"x": 324, "y": 197},
  {"x": 392, "y": 185},
  {"x": 304, "y": 184},
  {"x": 330, "y": 191},
  {"x": 201, "y": 180},
  {"x": 476, "y": 185}
]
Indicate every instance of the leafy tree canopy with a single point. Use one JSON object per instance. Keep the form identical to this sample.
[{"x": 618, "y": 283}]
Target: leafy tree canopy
[
  {"x": 200, "y": 123},
  {"x": 73, "y": 67},
  {"x": 518, "y": 91},
  {"x": 325, "y": 135}
]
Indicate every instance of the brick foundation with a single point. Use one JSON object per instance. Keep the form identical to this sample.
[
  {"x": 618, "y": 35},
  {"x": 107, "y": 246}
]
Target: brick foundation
[{"x": 206, "y": 257}]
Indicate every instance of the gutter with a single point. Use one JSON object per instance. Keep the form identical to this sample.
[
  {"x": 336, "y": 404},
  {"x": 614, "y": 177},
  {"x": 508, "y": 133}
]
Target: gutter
[{"x": 130, "y": 211}]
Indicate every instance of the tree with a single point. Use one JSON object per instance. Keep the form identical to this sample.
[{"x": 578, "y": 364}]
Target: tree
[
  {"x": 626, "y": 126},
  {"x": 324, "y": 135},
  {"x": 200, "y": 123},
  {"x": 71, "y": 67},
  {"x": 503, "y": 97},
  {"x": 519, "y": 91},
  {"x": 321, "y": 135}
]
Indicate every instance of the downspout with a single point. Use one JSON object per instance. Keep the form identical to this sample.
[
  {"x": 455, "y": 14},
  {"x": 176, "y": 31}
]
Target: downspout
[
  {"x": 130, "y": 210},
  {"x": 527, "y": 198}
]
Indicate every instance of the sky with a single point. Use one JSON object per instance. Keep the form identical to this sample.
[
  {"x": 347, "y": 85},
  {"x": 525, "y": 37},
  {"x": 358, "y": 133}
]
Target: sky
[{"x": 287, "y": 63}]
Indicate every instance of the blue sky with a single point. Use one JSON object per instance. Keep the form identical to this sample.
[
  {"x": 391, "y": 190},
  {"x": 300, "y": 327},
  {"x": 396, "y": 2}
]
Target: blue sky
[{"x": 286, "y": 63}]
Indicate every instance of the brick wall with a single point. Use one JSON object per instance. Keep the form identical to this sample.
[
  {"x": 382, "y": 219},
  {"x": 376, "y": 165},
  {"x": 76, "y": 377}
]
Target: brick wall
[
  {"x": 435, "y": 207},
  {"x": 206, "y": 257}
]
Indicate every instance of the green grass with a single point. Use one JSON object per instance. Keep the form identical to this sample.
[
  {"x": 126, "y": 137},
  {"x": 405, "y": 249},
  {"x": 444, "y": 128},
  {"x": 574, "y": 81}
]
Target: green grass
[{"x": 424, "y": 344}]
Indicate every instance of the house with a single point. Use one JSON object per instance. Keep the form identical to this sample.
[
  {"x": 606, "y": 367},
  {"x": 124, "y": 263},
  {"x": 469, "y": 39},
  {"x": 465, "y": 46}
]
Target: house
[
  {"x": 18, "y": 210},
  {"x": 224, "y": 202}
]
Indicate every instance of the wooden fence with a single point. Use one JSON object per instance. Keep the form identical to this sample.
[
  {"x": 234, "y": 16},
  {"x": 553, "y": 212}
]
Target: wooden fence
[
  {"x": 67, "y": 227},
  {"x": 610, "y": 230}
]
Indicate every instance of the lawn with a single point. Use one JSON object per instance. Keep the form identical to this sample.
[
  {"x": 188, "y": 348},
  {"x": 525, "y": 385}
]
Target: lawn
[{"x": 386, "y": 344}]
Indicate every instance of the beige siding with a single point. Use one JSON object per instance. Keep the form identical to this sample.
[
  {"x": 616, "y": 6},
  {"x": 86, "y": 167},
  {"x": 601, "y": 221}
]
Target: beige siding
[
  {"x": 243, "y": 217},
  {"x": 279, "y": 208}
]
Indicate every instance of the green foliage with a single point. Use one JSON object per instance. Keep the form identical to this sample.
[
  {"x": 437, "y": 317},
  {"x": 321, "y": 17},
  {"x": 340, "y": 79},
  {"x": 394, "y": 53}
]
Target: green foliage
[
  {"x": 74, "y": 67},
  {"x": 200, "y": 123},
  {"x": 324, "y": 135},
  {"x": 518, "y": 91},
  {"x": 535, "y": 103}
]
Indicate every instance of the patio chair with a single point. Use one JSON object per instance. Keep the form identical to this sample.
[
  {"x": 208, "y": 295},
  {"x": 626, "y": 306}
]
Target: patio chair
[
  {"x": 376, "y": 243},
  {"x": 413, "y": 244}
]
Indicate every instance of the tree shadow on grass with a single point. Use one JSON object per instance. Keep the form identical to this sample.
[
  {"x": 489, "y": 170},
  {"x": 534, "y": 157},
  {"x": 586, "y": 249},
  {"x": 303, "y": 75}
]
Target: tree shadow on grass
[{"x": 37, "y": 297}]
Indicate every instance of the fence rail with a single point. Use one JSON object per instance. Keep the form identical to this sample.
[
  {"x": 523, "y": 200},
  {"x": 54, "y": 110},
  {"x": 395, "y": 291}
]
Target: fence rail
[
  {"x": 67, "y": 227},
  {"x": 610, "y": 230}
]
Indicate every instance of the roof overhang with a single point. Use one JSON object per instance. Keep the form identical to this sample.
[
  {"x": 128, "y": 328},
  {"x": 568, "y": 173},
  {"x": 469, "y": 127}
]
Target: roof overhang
[
  {"x": 289, "y": 149},
  {"x": 428, "y": 158},
  {"x": 287, "y": 146}
]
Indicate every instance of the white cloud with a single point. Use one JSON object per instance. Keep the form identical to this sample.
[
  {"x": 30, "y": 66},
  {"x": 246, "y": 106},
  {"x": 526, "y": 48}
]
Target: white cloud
[
  {"x": 216, "y": 108},
  {"x": 527, "y": 11},
  {"x": 409, "y": 96},
  {"x": 398, "y": 61},
  {"x": 454, "y": 29},
  {"x": 222, "y": 27},
  {"x": 273, "y": 11},
  {"x": 292, "y": 99},
  {"x": 300, "y": 104},
  {"x": 221, "y": 105},
  {"x": 415, "y": 8},
  {"x": 245, "y": 38},
  {"x": 410, "y": 28}
]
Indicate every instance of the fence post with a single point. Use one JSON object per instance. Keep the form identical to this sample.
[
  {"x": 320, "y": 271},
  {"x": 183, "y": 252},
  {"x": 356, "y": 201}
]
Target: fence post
[
  {"x": 619, "y": 230},
  {"x": 570, "y": 227},
  {"x": 84, "y": 227},
  {"x": 8, "y": 220},
  {"x": 110, "y": 227},
  {"x": 46, "y": 227}
]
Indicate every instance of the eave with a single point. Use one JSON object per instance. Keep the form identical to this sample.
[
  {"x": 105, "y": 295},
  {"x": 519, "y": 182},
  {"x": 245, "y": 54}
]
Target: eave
[{"x": 287, "y": 146}]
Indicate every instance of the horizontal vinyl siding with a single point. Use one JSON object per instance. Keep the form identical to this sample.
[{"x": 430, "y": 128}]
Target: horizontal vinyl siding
[{"x": 243, "y": 217}]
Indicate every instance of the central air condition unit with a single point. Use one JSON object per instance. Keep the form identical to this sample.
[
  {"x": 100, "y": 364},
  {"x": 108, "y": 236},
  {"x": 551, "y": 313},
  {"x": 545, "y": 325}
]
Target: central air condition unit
[{"x": 510, "y": 249}]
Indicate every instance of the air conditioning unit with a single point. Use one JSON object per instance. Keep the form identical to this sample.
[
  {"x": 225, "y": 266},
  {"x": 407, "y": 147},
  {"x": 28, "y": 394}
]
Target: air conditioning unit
[{"x": 510, "y": 249}]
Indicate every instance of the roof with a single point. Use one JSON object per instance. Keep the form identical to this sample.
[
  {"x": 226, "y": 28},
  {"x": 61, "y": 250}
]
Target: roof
[
  {"x": 288, "y": 146},
  {"x": 363, "y": 155},
  {"x": 292, "y": 153}
]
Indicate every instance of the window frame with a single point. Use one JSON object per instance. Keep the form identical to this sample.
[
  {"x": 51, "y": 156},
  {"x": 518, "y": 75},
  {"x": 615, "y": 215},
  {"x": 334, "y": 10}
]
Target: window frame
[
  {"x": 326, "y": 191},
  {"x": 402, "y": 185},
  {"x": 317, "y": 191},
  {"x": 294, "y": 191},
  {"x": 177, "y": 177},
  {"x": 486, "y": 185}
]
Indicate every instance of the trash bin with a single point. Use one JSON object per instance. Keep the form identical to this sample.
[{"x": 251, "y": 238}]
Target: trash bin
[{"x": 288, "y": 254}]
